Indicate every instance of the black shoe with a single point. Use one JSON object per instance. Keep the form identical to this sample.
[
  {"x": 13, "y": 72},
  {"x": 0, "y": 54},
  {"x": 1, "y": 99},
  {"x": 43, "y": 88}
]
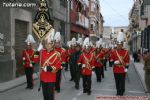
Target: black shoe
[
  {"x": 71, "y": 79},
  {"x": 27, "y": 87},
  {"x": 77, "y": 87},
  {"x": 31, "y": 88},
  {"x": 84, "y": 91},
  {"x": 58, "y": 91},
  {"x": 99, "y": 81},
  {"x": 88, "y": 93}
]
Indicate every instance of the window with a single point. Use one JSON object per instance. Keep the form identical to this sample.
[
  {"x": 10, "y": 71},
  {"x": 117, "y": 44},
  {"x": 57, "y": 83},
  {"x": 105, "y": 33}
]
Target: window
[
  {"x": 71, "y": 3},
  {"x": 63, "y": 3},
  {"x": 92, "y": 26},
  {"x": 92, "y": 6}
]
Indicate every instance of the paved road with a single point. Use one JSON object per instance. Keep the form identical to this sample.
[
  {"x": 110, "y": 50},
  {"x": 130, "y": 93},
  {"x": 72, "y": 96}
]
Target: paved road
[{"x": 68, "y": 92}]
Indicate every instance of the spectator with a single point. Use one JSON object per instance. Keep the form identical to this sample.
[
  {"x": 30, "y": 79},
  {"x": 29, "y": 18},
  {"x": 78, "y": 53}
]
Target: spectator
[{"x": 146, "y": 58}]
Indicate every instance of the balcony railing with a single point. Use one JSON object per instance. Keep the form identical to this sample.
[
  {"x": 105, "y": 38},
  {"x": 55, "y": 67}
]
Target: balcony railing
[{"x": 82, "y": 20}]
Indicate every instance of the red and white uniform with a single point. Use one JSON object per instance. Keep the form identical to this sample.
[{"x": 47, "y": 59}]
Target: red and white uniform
[
  {"x": 120, "y": 68},
  {"x": 28, "y": 57},
  {"x": 100, "y": 56},
  {"x": 92, "y": 50},
  {"x": 68, "y": 53},
  {"x": 62, "y": 53},
  {"x": 106, "y": 53},
  {"x": 86, "y": 59},
  {"x": 54, "y": 61}
]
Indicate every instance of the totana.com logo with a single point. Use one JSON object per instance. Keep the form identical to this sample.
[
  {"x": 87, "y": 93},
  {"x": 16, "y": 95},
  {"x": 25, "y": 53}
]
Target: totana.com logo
[{"x": 17, "y": 3}]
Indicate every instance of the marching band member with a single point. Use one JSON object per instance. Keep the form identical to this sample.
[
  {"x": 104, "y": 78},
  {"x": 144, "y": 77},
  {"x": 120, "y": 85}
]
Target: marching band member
[
  {"x": 28, "y": 60},
  {"x": 50, "y": 64},
  {"x": 86, "y": 61},
  {"x": 99, "y": 55},
  {"x": 74, "y": 58},
  {"x": 70, "y": 51},
  {"x": 61, "y": 50},
  {"x": 120, "y": 59}
]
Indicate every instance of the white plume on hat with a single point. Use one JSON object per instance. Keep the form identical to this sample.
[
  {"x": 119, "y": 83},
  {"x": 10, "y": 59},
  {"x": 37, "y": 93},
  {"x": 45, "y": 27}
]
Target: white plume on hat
[
  {"x": 40, "y": 47},
  {"x": 30, "y": 39},
  {"x": 124, "y": 45},
  {"x": 120, "y": 37},
  {"x": 57, "y": 37},
  {"x": 50, "y": 36},
  {"x": 100, "y": 40},
  {"x": 107, "y": 46},
  {"x": 110, "y": 45},
  {"x": 86, "y": 42},
  {"x": 98, "y": 44},
  {"x": 69, "y": 43},
  {"x": 103, "y": 45},
  {"x": 91, "y": 44},
  {"x": 73, "y": 41},
  {"x": 79, "y": 41}
]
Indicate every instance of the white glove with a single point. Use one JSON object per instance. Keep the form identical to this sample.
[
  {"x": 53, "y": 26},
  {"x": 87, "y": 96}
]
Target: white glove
[
  {"x": 61, "y": 67},
  {"x": 45, "y": 68},
  {"x": 24, "y": 58},
  {"x": 83, "y": 65},
  {"x": 125, "y": 70},
  {"x": 31, "y": 65},
  {"x": 117, "y": 62},
  {"x": 40, "y": 47}
]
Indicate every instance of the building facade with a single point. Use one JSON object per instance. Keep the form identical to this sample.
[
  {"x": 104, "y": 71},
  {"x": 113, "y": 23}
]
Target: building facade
[
  {"x": 79, "y": 22},
  {"x": 96, "y": 18},
  {"x": 16, "y": 23},
  {"x": 138, "y": 28},
  {"x": 106, "y": 35}
]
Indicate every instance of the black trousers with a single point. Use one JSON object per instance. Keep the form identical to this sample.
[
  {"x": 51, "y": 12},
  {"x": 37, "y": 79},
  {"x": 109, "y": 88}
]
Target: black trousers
[
  {"x": 58, "y": 80},
  {"x": 72, "y": 71},
  {"x": 29, "y": 76},
  {"x": 66, "y": 66},
  {"x": 48, "y": 90},
  {"x": 120, "y": 83},
  {"x": 77, "y": 77},
  {"x": 87, "y": 83},
  {"x": 105, "y": 63},
  {"x": 103, "y": 72},
  {"x": 110, "y": 64},
  {"x": 98, "y": 72}
]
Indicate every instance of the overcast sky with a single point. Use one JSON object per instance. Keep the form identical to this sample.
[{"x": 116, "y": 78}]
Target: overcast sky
[{"x": 115, "y": 12}]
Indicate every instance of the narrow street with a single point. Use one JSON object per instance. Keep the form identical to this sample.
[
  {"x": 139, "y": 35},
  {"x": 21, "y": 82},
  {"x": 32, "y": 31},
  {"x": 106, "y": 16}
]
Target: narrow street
[{"x": 68, "y": 92}]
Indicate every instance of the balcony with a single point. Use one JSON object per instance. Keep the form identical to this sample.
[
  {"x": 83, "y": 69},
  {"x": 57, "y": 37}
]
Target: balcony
[{"x": 82, "y": 20}]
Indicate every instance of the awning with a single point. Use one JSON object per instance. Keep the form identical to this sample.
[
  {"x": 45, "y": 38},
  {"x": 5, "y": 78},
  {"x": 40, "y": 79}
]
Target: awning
[{"x": 79, "y": 29}]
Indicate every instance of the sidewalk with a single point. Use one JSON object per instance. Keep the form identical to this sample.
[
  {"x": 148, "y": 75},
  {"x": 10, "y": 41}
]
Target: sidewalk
[
  {"x": 139, "y": 69},
  {"x": 14, "y": 83}
]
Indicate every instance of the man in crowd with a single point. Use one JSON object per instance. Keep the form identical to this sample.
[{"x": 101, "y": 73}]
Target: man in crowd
[
  {"x": 50, "y": 64},
  {"x": 86, "y": 61},
  {"x": 120, "y": 59},
  {"x": 61, "y": 50},
  {"x": 28, "y": 60},
  {"x": 146, "y": 58}
]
